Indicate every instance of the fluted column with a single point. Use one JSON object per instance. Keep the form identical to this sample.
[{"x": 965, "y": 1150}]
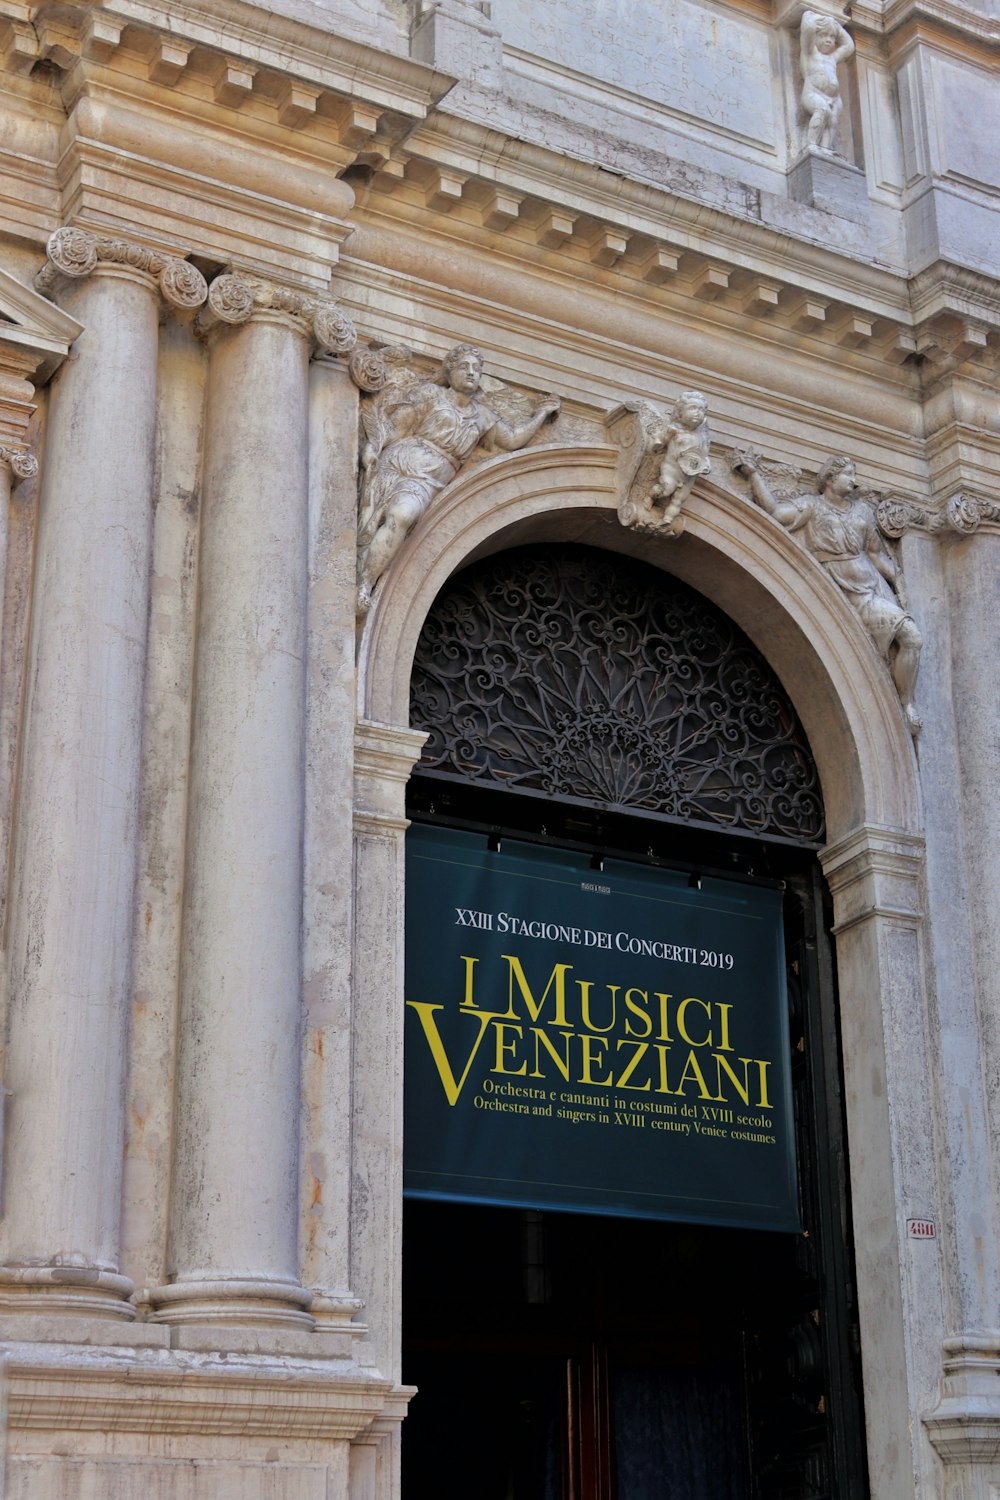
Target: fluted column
[
  {"x": 75, "y": 856},
  {"x": 234, "y": 1253}
]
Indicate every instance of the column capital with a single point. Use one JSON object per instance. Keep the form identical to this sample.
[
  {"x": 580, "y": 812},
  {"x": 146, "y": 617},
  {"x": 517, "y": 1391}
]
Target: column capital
[
  {"x": 20, "y": 460},
  {"x": 74, "y": 254},
  {"x": 235, "y": 298},
  {"x": 961, "y": 514}
]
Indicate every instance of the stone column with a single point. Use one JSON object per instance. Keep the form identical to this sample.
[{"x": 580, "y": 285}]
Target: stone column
[
  {"x": 75, "y": 855},
  {"x": 234, "y": 1251}
]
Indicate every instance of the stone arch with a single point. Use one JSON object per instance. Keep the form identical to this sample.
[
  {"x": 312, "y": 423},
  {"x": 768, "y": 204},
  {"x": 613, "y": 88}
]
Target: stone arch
[
  {"x": 754, "y": 571},
  {"x": 731, "y": 552}
]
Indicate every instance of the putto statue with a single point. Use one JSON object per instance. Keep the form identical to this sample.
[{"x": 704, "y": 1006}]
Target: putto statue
[
  {"x": 672, "y": 452},
  {"x": 418, "y": 434},
  {"x": 823, "y": 44},
  {"x": 838, "y": 526}
]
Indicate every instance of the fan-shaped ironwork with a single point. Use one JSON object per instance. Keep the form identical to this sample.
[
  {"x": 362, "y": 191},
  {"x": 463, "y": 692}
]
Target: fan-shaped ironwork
[{"x": 600, "y": 680}]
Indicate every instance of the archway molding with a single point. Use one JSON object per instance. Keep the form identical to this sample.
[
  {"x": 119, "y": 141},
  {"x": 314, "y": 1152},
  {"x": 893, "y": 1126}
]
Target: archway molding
[
  {"x": 752, "y": 569},
  {"x": 731, "y": 552}
]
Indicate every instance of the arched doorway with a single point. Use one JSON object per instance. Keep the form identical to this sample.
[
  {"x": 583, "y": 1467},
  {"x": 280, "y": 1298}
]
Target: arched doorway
[{"x": 596, "y": 705}]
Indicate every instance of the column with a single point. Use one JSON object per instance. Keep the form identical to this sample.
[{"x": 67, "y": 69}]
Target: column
[
  {"x": 75, "y": 855},
  {"x": 234, "y": 1251}
]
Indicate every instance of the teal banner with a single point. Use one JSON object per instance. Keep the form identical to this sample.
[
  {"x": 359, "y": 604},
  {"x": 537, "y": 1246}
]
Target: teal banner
[{"x": 610, "y": 1041}]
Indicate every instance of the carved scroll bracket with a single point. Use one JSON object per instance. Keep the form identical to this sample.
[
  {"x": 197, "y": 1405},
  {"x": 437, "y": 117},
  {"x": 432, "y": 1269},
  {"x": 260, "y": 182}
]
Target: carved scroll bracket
[
  {"x": 74, "y": 254},
  {"x": 234, "y": 298}
]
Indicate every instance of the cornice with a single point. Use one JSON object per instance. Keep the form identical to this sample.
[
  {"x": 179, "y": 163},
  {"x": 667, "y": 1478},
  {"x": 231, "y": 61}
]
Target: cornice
[
  {"x": 268, "y": 45},
  {"x": 453, "y": 173},
  {"x": 961, "y": 20}
]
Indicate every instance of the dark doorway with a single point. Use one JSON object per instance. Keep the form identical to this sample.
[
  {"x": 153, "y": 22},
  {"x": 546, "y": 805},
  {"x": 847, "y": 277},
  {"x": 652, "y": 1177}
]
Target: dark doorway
[
  {"x": 594, "y": 703},
  {"x": 581, "y": 1358}
]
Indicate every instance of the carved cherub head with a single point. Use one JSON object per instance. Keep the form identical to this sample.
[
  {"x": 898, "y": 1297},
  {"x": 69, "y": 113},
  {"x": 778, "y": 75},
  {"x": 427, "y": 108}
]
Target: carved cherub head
[
  {"x": 690, "y": 410},
  {"x": 826, "y": 35}
]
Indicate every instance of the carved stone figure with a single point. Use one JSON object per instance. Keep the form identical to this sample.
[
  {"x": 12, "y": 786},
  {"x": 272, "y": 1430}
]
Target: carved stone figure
[
  {"x": 673, "y": 451},
  {"x": 419, "y": 432},
  {"x": 823, "y": 44},
  {"x": 839, "y": 528}
]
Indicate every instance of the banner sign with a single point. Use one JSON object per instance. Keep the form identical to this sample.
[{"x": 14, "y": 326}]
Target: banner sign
[{"x": 610, "y": 1042}]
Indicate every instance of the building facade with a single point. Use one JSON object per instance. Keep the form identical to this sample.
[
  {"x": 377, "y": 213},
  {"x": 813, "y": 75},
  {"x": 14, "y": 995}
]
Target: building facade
[{"x": 244, "y": 250}]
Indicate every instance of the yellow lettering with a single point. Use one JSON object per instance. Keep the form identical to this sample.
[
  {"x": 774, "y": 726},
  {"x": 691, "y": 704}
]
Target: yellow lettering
[
  {"x": 641, "y": 1048},
  {"x": 425, "y": 1013},
  {"x": 692, "y": 1070},
  {"x": 743, "y": 1089},
  {"x": 664, "y": 1032},
  {"x": 636, "y": 1010},
  {"x": 586, "y": 985},
  {"x": 468, "y": 1002},
  {"x": 503, "y": 1047},
  {"x": 586, "y": 1076},
  {"x": 562, "y": 1063},
  {"x": 556, "y": 978},
  {"x": 682, "y": 1027}
]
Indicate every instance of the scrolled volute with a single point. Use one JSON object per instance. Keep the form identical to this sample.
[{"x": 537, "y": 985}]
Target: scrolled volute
[
  {"x": 21, "y": 461},
  {"x": 74, "y": 254},
  {"x": 235, "y": 298}
]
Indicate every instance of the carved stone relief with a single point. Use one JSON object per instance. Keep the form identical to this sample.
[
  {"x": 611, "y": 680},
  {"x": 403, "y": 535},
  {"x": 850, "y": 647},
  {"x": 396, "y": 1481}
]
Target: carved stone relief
[
  {"x": 837, "y": 523},
  {"x": 823, "y": 44},
  {"x": 234, "y": 298},
  {"x": 77, "y": 253},
  {"x": 418, "y": 433},
  {"x": 663, "y": 456}
]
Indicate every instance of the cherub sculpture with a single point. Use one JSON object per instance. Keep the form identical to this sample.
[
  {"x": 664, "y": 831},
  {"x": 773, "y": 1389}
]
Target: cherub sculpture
[
  {"x": 838, "y": 526},
  {"x": 672, "y": 454},
  {"x": 419, "y": 432},
  {"x": 823, "y": 44}
]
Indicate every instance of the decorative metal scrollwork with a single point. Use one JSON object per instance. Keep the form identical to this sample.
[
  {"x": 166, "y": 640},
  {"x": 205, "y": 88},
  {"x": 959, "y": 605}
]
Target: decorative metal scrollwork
[{"x": 598, "y": 679}]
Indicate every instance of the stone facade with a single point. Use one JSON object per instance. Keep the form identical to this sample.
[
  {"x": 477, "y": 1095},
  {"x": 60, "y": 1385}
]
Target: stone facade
[{"x": 228, "y": 230}]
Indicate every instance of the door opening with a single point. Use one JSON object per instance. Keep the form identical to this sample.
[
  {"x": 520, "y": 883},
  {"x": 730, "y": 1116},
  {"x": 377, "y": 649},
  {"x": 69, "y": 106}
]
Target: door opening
[{"x": 596, "y": 705}]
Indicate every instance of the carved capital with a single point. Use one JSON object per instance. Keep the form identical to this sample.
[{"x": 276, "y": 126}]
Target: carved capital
[
  {"x": 963, "y": 513},
  {"x": 21, "y": 461},
  {"x": 234, "y": 298},
  {"x": 74, "y": 254}
]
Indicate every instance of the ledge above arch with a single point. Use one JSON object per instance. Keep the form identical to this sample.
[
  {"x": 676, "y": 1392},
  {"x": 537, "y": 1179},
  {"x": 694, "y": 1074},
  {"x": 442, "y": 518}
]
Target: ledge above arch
[{"x": 731, "y": 552}]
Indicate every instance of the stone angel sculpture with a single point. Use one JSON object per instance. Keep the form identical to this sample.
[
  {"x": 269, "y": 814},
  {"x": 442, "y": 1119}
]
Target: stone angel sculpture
[
  {"x": 837, "y": 524},
  {"x": 418, "y": 432},
  {"x": 672, "y": 452}
]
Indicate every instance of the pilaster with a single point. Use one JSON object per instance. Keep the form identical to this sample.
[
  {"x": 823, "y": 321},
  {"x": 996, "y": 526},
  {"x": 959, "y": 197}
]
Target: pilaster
[{"x": 875, "y": 875}]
